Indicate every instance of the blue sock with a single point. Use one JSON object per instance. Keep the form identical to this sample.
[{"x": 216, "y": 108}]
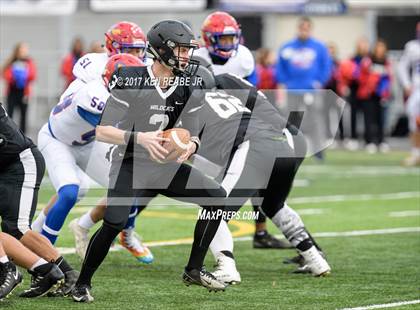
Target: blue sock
[
  {"x": 131, "y": 222},
  {"x": 67, "y": 197}
]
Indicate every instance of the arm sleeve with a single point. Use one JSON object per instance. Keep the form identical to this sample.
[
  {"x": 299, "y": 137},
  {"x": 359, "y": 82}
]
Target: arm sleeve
[
  {"x": 325, "y": 65},
  {"x": 7, "y": 74},
  {"x": 253, "y": 78}
]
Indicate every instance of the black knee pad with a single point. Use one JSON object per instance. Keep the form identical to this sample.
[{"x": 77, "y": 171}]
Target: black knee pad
[{"x": 115, "y": 222}]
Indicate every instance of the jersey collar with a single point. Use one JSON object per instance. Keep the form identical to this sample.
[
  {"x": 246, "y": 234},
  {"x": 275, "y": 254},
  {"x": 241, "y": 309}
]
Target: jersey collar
[{"x": 162, "y": 94}]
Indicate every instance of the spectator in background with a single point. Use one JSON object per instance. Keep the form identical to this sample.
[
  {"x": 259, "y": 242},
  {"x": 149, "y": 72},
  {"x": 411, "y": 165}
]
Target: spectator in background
[
  {"x": 349, "y": 73},
  {"x": 331, "y": 103},
  {"x": 374, "y": 91},
  {"x": 19, "y": 71},
  {"x": 265, "y": 69},
  {"x": 77, "y": 51},
  {"x": 303, "y": 66},
  {"x": 96, "y": 47},
  {"x": 303, "y": 63}
]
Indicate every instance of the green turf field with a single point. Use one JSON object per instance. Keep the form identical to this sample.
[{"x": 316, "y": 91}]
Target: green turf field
[{"x": 363, "y": 208}]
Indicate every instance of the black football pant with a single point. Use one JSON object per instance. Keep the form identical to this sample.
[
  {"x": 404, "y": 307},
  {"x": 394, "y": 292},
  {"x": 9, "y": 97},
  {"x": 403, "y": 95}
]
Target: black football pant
[
  {"x": 19, "y": 186},
  {"x": 16, "y": 99},
  {"x": 172, "y": 180},
  {"x": 374, "y": 120}
]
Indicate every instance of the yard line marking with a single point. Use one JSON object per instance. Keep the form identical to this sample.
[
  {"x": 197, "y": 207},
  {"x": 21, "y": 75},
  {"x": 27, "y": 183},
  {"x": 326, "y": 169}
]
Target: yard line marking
[
  {"x": 311, "y": 211},
  {"x": 390, "y": 305},
  {"x": 358, "y": 170},
  {"x": 168, "y": 204},
  {"x": 248, "y": 238},
  {"x": 404, "y": 213},
  {"x": 357, "y": 197}
]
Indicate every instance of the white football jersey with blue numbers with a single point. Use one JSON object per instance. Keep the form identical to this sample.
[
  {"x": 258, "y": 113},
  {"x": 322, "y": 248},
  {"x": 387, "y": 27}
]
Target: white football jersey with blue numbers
[
  {"x": 73, "y": 120},
  {"x": 241, "y": 63}
]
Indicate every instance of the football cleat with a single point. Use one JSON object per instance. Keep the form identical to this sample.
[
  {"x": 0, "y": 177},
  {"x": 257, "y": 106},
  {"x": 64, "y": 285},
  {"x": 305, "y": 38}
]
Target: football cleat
[
  {"x": 81, "y": 293},
  {"x": 131, "y": 241},
  {"x": 203, "y": 278},
  {"x": 81, "y": 237},
  {"x": 70, "y": 278},
  {"x": 298, "y": 260},
  {"x": 226, "y": 271},
  {"x": 43, "y": 283},
  {"x": 315, "y": 262},
  {"x": 267, "y": 241},
  {"x": 10, "y": 278}
]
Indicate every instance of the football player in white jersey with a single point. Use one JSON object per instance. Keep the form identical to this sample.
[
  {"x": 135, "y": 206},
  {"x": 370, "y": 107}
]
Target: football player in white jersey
[
  {"x": 410, "y": 62},
  {"x": 221, "y": 35},
  {"x": 71, "y": 129}
]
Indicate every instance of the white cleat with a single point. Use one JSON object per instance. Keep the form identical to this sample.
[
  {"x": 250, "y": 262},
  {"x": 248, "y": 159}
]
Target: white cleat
[
  {"x": 81, "y": 237},
  {"x": 226, "y": 271},
  {"x": 315, "y": 262}
]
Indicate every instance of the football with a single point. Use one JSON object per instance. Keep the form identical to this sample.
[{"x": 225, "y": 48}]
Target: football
[{"x": 179, "y": 138}]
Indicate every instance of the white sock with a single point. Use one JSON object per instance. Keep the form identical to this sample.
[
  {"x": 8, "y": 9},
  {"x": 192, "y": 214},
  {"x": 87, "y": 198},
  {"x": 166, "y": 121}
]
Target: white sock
[
  {"x": 4, "y": 259},
  {"x": 86, "y": 221},
  {"x": 39, "y": 262},
  {"x": 39, "y": 222},
  {"x": 290, "y": 224},
  {"x": 222, "y": 241}
]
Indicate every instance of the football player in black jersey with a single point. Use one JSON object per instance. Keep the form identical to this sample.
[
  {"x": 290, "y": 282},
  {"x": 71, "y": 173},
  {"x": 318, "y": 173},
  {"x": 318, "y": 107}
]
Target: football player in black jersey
[
  {"x": 21, "y": 170},
  {"x": 246, "y": 144},
  {"x": 259, "y": 153},
  {"x": 143, "y": 102}
]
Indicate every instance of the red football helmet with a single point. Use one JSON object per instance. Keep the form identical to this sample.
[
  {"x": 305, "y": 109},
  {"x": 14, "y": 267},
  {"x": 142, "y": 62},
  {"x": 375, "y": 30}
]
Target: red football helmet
[
  {"x": 123, "y": 36},
  {"x": 118, "y": 61},
  {"x": 216, "y": 26}
]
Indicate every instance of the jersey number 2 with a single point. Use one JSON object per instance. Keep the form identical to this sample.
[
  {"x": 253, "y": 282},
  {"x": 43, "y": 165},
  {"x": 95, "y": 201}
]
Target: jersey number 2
[{"x": 163, "y": 119}]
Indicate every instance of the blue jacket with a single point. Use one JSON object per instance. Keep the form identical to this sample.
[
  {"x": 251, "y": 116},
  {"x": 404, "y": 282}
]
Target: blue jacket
[{"x": 303, "y": 64}]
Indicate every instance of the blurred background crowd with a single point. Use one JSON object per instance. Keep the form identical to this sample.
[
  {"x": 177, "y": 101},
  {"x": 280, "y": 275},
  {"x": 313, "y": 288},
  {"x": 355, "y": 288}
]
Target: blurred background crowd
[{"x": 350, "y": 47}]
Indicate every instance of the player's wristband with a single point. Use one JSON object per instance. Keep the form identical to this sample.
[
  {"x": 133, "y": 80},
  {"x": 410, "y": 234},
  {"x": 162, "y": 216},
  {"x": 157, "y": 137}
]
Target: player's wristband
[
  {"x": 3, "y": 140},
  {"x": 129, "y": 137},
  {"x": 197, "y": 142}
]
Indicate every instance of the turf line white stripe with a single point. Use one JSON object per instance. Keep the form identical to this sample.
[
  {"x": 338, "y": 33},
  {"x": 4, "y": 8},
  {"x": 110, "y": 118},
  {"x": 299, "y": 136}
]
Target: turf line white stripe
[
  {"x": 407, "y": 213},
  {"x": 390, "y": 305},
  {"x": 248, "y": 238},
  {"x": 171, "y": 204}
]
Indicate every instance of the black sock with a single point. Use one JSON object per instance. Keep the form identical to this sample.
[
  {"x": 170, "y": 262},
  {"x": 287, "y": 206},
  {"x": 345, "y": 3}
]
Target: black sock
[
  {"x": 97, "y": 250},
  {"x": 313, "y": 241},
  {"x": 305, "y": 245},
  {"x": 43, "y": 269},
  {"x": 228, "y": 254},
  {"x": 63, "y": 265},
  {"x": 203, "y": 235}
]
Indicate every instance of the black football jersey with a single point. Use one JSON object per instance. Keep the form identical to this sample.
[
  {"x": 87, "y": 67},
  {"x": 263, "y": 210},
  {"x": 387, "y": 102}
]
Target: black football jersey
[
  {"x": 236, "y": 112},
  {"x": 12, "y": 140},
  {"x": 137, "y": 103}
]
